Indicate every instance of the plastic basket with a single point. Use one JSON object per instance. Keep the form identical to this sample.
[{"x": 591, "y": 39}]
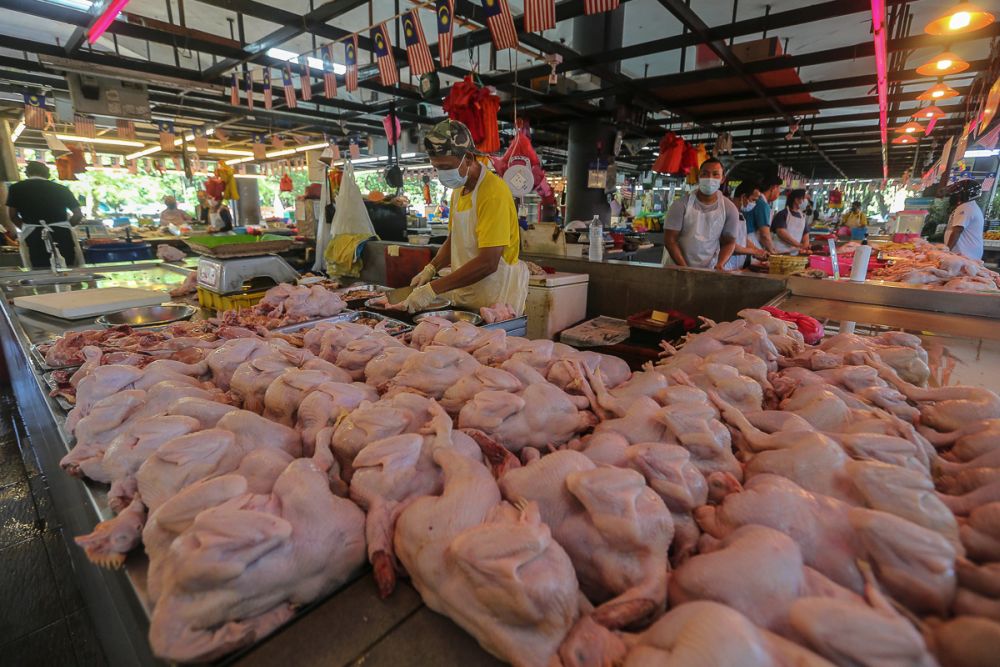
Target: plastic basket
[
  {"x": 104, "y": 253},
  {"x": 221, "y": 302},
  {"x": 784, "y": 264},
  {"x": 845, "y": 261}
]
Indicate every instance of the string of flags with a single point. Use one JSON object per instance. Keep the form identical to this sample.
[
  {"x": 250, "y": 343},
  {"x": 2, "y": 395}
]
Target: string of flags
[{"x": 539, "y": 15}]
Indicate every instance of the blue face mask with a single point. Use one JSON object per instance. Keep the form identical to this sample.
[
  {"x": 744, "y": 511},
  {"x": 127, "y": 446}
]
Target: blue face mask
[{"x": 453, "y": 178}]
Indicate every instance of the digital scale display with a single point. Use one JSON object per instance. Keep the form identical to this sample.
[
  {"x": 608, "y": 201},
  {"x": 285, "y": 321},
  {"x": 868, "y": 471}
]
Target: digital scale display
[{"x": 209, "y": 274}]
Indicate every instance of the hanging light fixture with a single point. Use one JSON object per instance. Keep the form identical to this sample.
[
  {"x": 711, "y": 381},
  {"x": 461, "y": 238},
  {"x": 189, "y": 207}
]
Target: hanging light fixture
[
  {"x": 963, "y": 17},
  {"x": 928, "y": 113},
  {"x": 905, "y": 139},
  {"x": 942, "y": 64},
  {"x": 940, "y": 91},
  {"x": 910, "y": 128}
]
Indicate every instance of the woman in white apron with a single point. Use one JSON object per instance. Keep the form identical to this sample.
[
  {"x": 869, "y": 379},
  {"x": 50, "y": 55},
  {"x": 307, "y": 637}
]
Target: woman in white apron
[
  {"x": 745, "y": 199},
  {"x": 789, "y": 229},
  {"x": 483, "y": 240},
  {"x": 700, "y": 228}
]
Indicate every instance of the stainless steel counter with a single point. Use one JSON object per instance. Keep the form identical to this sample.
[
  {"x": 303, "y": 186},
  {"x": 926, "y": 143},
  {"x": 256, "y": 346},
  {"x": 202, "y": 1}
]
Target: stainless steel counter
[{"x": 352, "y": 626}]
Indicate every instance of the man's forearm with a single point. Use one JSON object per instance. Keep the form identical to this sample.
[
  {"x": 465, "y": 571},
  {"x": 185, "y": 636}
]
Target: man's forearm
[
  {"x": 471, "y": 272},
  {"x": 726, "y": 251},
  {"x": 787, "y": 238},
  {"x": 951, "y": 237},
  {"x": 765, "y": 238},
  {"x": 443, "y": 256}
]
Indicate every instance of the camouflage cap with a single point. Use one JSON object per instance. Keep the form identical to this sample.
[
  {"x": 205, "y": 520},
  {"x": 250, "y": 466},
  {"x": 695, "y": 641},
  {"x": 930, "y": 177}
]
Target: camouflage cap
[{"x": 449, "y": 137}]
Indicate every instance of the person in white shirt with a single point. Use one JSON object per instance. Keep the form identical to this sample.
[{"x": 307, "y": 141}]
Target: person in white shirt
[{"x": 964, "y": 233}]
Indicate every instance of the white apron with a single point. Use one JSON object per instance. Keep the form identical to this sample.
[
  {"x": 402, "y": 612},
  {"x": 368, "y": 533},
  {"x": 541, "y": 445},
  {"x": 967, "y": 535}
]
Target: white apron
[
  {"x": 700, "y": 234},
  {"x": 796, "y": 226},
  {"x": 56, "y": 260},
  {"x": 508, "y": 284},
  {"x": 735, "y": 262}
]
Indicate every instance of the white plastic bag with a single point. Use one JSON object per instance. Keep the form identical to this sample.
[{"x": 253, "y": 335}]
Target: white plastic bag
[{"x": 351, "y": 216}]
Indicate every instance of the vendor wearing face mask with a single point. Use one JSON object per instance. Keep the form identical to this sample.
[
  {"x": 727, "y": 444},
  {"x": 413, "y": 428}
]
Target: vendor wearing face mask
[
  {"x": 483, "y": 238},
  {"x": 701, "y": 226},
  {"x": 789, "y": 226},
  {"x": 745, "y": 198}
]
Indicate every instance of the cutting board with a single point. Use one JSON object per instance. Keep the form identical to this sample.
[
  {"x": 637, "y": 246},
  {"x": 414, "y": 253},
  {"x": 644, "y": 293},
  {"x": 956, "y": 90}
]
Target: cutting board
[
  {"x": 78, "y": 304},
  {"x": 402, "y": 263}
]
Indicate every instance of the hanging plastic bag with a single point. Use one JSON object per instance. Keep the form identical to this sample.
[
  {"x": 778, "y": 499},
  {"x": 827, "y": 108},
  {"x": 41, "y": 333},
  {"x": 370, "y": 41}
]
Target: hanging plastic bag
[
  {"x": 214, "y": 188},
  {"x": 285, "y": 184},
  {"x": 351, "y": 229}
]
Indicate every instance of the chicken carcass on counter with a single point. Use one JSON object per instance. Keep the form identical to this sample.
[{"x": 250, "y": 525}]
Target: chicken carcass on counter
[{"x": 751, "y": 499}]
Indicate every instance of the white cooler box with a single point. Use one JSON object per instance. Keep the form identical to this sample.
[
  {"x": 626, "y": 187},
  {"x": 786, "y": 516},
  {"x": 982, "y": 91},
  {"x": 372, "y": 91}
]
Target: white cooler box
[{"x": 556, "y": 301}]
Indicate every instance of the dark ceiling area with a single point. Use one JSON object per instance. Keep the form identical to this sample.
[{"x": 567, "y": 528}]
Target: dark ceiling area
[{"x": 746, "y": 82}]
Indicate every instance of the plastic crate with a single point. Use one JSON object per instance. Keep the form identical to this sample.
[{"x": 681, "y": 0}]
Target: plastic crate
[
  {"x": 220, "y": 302},
  {"x": 104, "y": 253}
]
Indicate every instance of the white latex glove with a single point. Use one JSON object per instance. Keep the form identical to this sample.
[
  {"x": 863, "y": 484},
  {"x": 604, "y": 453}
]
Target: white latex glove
[
  {"x": 425, "y": 276},
  {"x": 420, "y": 298}
]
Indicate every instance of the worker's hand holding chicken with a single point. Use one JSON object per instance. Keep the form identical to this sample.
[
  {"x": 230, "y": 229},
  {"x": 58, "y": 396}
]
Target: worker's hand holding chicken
[{"x": 483, "y": 238}]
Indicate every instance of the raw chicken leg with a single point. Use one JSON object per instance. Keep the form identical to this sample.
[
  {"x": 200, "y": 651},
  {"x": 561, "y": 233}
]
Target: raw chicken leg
[
  {"x": 385, "y": 365},
  {"x": 483, "y": 378},
  {"x": 327, "y": 405},
  {"x": 283, "y": 396},
  {"x": 354, "y": 357},
  {"x": 981, "y": 533}
]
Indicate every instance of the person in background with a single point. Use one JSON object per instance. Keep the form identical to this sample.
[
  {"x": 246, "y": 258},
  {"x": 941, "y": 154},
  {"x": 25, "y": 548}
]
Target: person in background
[
  {"x": 745, "y": 198},
  {"x": 700, "y": 227},
  {"x": 856, "y": 221},
  {"x": 484, "y": 241},
  {"x": 808, "y": 210},
  {"x": 37, "y": 202},
  {"x": 203, "y": 207},
  {"x": 789, "y": 226},
  {"x": 172, "y": 215},
  {"x": 220, "y": 219},
  {"x": 759, "y": 219},
  {"x": 964, "y": 233}
]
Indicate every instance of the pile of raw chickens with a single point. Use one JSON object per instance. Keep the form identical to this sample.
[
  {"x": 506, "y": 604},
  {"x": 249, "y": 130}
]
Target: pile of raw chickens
[
  {"x": 938, "y": 268},
  {"x": 749, "y": 500}
]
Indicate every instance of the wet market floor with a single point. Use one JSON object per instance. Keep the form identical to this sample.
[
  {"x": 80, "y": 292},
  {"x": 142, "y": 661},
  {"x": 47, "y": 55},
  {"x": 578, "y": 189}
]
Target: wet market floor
[{"x": 43, "y": 620}]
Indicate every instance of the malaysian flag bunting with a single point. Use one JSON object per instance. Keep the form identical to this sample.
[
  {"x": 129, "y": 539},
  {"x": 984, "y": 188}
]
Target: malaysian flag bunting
[
  {"x": 305, "y": 78},
  {"x": 259, "y": 149},
  {"x": 126, "y": 129},
  {"x": 234, "y": 89},
  {"x": 200, "y": 141},
  {"x": 388, "y": 75},
  {"x": 84, "y": 126},
  {"x": 268, "y": 101},
  {"x": 445, "y": 14},
  {"x": 289, "y": 86},
  {"x": 351, "y": 60},
  {"x": 354, "y": 150},
  {"x": 133, "y": 167},
  {"x": 329, "y": 76},
  {"x": 418, "y": 55},
  {"x": 248, "y": 87},
  {"x": 539, "y": 15},
  {"x": 501, "y": 24},
  {"x": 277, "y": 141},
  {"x": 598, "y": 6},
  {"x": 166, "y": 128},
  {"x": 34, "y": 112}
]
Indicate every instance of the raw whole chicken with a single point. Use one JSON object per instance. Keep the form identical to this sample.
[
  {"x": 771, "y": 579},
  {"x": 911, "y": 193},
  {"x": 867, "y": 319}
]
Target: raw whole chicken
[
  {"x": 612, "y": 370},
  {"x": 483, "y": 378},
  {"x": 239, "y": 573},
  {"x": 386, "y": 364},
  {"x": 334, "y": 338},
  {"x": 423, "y": 334},
  {"x": 354, "y": 357},
  {"x": 326, "y": 405},
  {"x": 965, "y": 641},
  {"x": 285, "y": 394},
  {"x": 498, "y": 312},
  {"x": 225, "y": 359},
  {"x": 466, "y": 337},
  {"x": 432, "y": 372},
  {"x": 981, "y": 533},
  {"x": 499, "y": 349}
]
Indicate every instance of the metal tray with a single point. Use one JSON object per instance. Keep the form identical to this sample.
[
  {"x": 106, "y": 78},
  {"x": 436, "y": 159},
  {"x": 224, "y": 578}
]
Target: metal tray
[
  {"x": 52, "y": 384},
  {"x": 451, "y": 316},
  {"x": 347, "y": 316},
  {"x": 147, "y": 316},
  {"x": 513, "y": 327},
  {"x": 343, "y": 291}
]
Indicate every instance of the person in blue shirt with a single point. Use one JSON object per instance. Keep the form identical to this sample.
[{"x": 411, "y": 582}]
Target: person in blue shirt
[{"x": 759, "y": 219}]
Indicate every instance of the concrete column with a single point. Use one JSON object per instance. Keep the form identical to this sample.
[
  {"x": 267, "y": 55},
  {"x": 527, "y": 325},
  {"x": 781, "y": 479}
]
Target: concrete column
[
  {"x": 598, "y": 33},
  {"x": 249, "y": 203},
  {"x": 588, "y": 143}
]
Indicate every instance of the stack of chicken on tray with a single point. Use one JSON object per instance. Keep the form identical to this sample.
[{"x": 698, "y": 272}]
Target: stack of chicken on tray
[{"x": 750, "y": 500}]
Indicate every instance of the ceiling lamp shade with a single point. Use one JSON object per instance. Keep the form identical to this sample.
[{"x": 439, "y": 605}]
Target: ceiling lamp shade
[
  {"x": 942, "y": 64},
  {"x": 928, "y": 113},
  {"x": 940, "y": 91},
  {"x": 904, "y": 139},
  {"x": 962, "y": 18},
  {"x": 910, "y": 128}
]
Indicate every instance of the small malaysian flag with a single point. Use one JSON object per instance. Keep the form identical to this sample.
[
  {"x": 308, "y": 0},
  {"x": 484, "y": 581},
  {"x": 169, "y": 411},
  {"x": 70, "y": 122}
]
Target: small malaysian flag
[
  {"x": 418, "y": 54},
  {"x": 126, "y": 129},
  {"x": 598, "y": 6},
  {"x": 200, "y": 141},
  {"x": 305, "y": 78},
  {"x": 289, "y": 85},
  {"x": 329, "y": 76},
  {"x": 34, "y": 112},
  {"x": 166, "y": 128},
  {"x": 388, "y": 75},
  {"x": 445, "y": 16},
  {"x": 84, "y": 126},
  {"x": 539, "y": 15},
  {"x": 259, "y": 149},
  {"x": 248, "y": 87},
  {"x": 501, "y": 24},
  {"x": 268, "y": 100},
  {"x": 351, "y": 60},
  {"x": 354, "y": 150},
  {"x": 234, "y": 89}
]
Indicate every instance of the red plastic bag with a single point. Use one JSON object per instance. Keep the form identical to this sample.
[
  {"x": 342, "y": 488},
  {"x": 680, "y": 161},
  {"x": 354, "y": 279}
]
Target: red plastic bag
[
  {"x": 810, "y": 328},
  {"x": 214, "y": 188},
  {"x": 285, "y": 184}
]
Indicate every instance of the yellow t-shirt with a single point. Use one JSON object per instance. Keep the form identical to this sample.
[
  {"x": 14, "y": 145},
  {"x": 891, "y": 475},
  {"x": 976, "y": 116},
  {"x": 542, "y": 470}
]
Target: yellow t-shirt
[{"x": 496, "y": 216}]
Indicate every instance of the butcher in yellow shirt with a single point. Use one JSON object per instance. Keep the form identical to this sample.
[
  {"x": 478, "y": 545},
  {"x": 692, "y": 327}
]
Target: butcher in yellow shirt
[{"x": 483, "y": 241}]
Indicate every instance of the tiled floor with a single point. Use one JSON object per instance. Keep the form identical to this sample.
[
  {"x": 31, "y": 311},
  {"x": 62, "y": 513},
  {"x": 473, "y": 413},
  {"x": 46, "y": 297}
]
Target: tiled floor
[{"x": 42, "y": 616}]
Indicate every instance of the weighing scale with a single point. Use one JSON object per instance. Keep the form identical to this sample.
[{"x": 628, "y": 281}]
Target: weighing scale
[{"x": 242, "y": 275}]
